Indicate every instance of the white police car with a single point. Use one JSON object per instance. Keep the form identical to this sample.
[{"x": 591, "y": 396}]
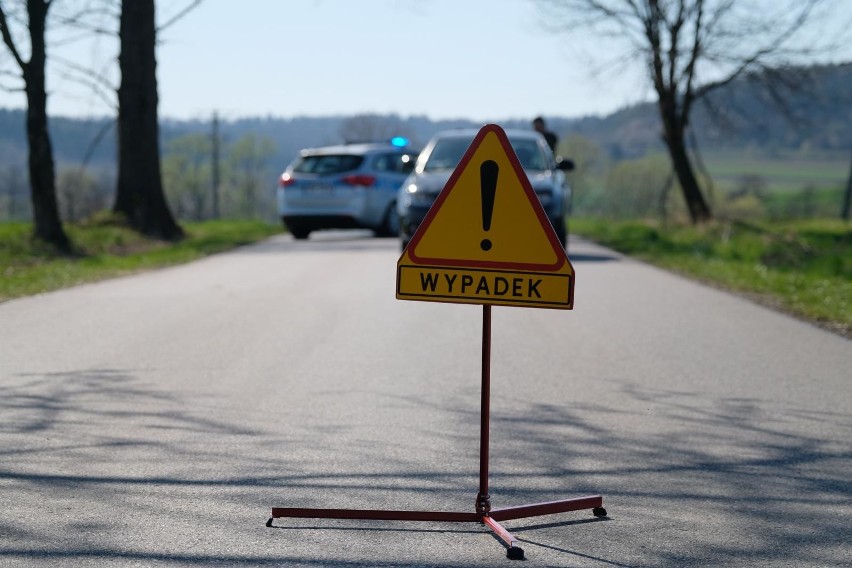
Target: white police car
[{"x": 345, "y": 187}]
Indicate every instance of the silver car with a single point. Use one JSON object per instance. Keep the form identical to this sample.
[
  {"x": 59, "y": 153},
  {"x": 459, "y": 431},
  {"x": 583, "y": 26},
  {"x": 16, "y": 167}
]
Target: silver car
[
  {"x": 344, "y": 187},
  {"x": 444, "y": 151}
]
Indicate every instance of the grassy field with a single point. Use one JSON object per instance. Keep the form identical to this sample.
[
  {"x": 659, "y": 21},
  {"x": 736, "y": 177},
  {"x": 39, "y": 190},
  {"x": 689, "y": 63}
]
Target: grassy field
[
  {"x": 788, "y": 171},
  {"x": 107, "y": 249},
  {"x": 803, "y": 268},
  {"x": 745, "y": 184}
]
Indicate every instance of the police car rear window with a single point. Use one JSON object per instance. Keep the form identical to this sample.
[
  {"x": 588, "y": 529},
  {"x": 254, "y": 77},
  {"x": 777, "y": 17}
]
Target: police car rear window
[{"x": 328, "y": 164}]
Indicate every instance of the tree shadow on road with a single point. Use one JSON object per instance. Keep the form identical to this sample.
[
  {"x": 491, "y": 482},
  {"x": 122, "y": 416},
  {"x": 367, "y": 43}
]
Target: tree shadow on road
[
  {"x": 747, "y": 479},
  {"x": 771, "y": 479}
]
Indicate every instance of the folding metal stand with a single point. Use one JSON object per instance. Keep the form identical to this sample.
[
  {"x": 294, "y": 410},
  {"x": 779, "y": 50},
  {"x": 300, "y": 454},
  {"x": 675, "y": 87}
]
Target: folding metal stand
[{"x": 483, "y": 512}]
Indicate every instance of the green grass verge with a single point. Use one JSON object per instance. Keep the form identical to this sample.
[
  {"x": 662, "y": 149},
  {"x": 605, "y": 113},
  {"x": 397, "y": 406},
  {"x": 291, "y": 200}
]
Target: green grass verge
[
  {"x": 106, "y": 250},
  {"x": 802, "y": 267}
]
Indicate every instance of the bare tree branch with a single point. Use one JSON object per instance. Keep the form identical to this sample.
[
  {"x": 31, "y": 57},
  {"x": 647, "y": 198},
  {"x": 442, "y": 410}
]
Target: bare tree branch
[
  {"x": 4, "y": 74},
  {"x": 96, "y": 82},
  {"x": 689, "y": 93},
  {"x": 7, "y": 39},
  {"x": 81, "y": 21},
  {"x": 755, "y": 59},
  {"x": 179, "y": 15},
  {"x": 90, "y": 150}
]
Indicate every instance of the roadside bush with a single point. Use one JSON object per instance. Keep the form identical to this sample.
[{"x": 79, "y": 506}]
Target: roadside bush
[
  {"x": 634, "y": 188},
  {"x": 187, "y": 176},
  {"x": 589, "y": 167},
  {"x": 14, "y": 194},
  {"x": 245, "y": 179},
  {"x": 81, "y": 194},
  {"x": 740, "y": 207}
]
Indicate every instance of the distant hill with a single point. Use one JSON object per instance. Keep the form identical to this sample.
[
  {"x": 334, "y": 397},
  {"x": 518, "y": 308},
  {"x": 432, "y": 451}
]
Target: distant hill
[
  {"x": 72, "y": 138},
  {"x": 818, "y": 117}
]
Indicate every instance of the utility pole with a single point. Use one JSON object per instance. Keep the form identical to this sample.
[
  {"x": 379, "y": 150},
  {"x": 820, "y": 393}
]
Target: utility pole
[
  {"x": 216, "y": 173},
  {"x": 847, "y": 196}
]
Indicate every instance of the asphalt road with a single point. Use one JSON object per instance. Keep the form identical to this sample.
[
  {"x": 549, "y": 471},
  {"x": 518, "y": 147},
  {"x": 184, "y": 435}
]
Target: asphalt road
[{"x": 156, "y": 419}]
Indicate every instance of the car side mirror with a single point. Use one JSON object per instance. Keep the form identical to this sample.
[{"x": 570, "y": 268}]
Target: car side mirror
[{"x": 564, "y": 164}]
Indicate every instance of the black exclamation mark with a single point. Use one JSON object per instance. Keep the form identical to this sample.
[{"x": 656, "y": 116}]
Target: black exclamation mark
[{"x": 488, "y": 184}]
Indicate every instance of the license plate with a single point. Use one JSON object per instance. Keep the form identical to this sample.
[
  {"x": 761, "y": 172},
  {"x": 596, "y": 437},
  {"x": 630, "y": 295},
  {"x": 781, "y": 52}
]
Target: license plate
[{"x": 319, "y": 188}]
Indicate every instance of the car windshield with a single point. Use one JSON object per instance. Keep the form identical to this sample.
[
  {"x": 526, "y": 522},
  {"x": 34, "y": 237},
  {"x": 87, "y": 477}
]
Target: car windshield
[
  {"x": 327, "y": 164},
  {"x": 448, "y": 152},
  {"x": 529, "y": 154}
]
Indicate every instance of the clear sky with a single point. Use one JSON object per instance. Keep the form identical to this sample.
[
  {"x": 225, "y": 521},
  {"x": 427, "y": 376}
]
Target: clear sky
[{"x": 474, "y": 59}]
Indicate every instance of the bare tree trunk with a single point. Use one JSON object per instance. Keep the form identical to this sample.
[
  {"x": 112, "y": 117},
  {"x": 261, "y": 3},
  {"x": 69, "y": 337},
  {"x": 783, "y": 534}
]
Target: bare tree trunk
[
  {"x": 699, "y": 211},
  {"x": 139, "y": 194},
  {"x": 46, "y": 221},
  {"x": 674, "y": 128},
  {"x": 675, "y": 97},
  {"x": 48, "y": 226},
  {"x": 847, "y": 196}
]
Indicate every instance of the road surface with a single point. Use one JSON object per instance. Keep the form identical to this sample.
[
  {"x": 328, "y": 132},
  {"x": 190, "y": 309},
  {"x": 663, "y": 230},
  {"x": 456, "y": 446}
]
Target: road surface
[{"x": 156, "y": 419}]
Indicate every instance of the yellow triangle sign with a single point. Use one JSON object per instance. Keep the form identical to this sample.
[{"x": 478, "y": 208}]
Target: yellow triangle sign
[{"x": 486, "y": 239}]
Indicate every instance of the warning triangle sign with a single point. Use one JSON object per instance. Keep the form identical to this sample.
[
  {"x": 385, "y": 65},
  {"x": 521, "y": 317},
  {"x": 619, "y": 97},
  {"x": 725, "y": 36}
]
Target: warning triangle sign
[
  {"x": 487, "y": 223},
  {"x": 488, "y": 215}
]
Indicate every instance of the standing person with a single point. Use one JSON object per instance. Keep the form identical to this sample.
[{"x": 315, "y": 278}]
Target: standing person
[{"x": 539, "y": 126}]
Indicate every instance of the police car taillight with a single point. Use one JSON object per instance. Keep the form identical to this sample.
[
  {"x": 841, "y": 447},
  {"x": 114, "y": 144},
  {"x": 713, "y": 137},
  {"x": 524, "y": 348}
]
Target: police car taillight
[
  {"x": 359, "y": 180},
  {"x": 285, "y": 180}
]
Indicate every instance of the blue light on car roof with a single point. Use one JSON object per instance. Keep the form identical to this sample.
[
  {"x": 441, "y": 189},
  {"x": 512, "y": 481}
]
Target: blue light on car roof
[{"x": 399, "y": 141}]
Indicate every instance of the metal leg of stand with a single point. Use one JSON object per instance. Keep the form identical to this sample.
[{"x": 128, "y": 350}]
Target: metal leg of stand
[
  {"x": 594, "y": 502},
  {"x": 513, "y": 551},
  {"x": 373, "y": 515}
]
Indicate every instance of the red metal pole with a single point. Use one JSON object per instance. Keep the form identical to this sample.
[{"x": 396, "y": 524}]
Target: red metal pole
[{"x": 483, "y": 499}]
